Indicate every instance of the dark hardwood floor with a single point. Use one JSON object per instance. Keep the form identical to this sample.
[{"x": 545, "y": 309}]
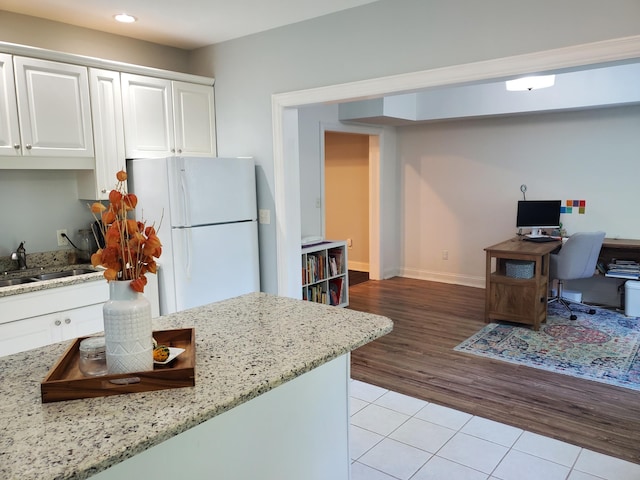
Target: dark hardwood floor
[{"x": 418, "y": 359}]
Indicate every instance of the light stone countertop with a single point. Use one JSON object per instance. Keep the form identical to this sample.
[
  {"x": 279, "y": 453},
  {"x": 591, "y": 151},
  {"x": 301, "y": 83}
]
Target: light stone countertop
[{"x": 245, "y": 347}]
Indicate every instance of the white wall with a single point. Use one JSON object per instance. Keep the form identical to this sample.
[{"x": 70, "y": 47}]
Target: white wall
[
  {"x": 385, "y": 38},
  {"x": 460, "y": 182},
  {"x": 36, "y": 203},
  {"x": 310, "y": 122}
]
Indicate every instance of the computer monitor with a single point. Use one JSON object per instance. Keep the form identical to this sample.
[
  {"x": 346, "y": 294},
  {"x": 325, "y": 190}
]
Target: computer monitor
[{"x": 538, "y": 214}]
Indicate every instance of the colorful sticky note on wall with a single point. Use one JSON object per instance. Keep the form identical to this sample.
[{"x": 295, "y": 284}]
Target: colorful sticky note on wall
[{"x": 581, "y": 206}]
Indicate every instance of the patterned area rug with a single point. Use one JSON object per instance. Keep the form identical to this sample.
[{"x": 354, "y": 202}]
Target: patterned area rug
[{"x": 601, "y": 347}]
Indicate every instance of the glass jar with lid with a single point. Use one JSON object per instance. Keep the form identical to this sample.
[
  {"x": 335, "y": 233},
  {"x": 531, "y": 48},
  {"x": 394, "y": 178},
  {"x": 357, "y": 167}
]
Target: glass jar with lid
[{"x": 93, "y": 358}]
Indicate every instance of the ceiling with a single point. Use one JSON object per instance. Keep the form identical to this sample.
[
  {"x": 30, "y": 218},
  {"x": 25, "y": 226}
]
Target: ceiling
[{"x": 185, "y": 24}]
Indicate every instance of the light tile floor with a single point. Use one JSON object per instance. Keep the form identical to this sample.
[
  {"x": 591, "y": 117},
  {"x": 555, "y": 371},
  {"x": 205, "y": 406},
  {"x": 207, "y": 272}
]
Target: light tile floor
[{"x": 394, "y": 436}]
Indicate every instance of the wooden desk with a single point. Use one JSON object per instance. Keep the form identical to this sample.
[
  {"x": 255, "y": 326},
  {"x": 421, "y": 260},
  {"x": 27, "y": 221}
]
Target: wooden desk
[
  {"x": 517, "y": 299},
  {"x": 620, "y": 248}
]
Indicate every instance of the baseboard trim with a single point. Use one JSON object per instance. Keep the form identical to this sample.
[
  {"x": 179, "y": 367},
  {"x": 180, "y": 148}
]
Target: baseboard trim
[
  {"x": 359, "y": 266},
  {"x": 452, "y": 278}
]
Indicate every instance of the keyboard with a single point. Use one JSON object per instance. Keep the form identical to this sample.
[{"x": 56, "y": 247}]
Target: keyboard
[{"x": 541, "y": 239}]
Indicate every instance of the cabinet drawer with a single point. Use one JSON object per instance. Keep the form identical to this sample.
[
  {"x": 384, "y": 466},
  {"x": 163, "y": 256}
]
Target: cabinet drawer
[{"x": 53, "y": 300}]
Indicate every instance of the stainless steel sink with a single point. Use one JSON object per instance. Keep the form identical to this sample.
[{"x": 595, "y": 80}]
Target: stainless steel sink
[
  {"x": 7, "y": 282},
  {"x": 66, "y": 273}
]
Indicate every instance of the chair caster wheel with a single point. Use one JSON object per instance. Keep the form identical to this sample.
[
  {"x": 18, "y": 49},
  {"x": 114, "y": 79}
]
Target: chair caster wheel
[
  {"x": 592, "y": 311},
  {"x": 573, "y": 317}
]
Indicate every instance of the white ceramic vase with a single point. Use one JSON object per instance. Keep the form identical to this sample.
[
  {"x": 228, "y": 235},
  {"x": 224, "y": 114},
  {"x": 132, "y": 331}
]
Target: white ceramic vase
[{"x": 127, "y": 330}]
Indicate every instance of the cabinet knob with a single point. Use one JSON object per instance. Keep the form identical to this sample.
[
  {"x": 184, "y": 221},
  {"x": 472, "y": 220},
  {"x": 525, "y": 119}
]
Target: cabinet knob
[
  {"x": 179, "y": 150},
  {"x": 67, "y": 321},
  {"x": 104, "y": 190},
  {"x": 28, "y": 146},
  {"x": 173, "y": 150},
  {"x": 16, "y": 146},
  {"x": 58, "y": 323}
]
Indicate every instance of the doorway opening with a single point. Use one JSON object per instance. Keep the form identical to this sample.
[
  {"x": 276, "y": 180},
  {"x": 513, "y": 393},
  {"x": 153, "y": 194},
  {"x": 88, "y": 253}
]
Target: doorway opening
[
  {"x": 346, "y": 194},
  {"x": 351, "y": 191}
]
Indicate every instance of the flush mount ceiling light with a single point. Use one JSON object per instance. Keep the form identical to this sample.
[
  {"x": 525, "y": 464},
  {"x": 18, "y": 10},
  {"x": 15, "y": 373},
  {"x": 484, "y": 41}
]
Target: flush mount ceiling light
[
  {"x": 530, "y": 83},
  {"x": 124, "y": 18}
]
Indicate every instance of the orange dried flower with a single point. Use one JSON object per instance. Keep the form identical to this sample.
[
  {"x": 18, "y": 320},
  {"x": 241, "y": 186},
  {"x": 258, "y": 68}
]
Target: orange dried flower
[
  {"x": 130, "y": 201},
  {"x": 130, "y": 247},
  {"x": 97, "y": 207},
  {"x": 108, "y": 217}
]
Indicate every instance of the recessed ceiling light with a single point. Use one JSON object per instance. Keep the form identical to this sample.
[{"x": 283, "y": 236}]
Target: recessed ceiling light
[
  {"x": 531, "y": 83},
  {"x": 125, "y": 18}
]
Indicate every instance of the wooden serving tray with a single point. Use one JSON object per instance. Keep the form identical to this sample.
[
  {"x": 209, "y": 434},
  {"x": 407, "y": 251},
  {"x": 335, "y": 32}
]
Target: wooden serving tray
[{"x": 65, "y": 381}]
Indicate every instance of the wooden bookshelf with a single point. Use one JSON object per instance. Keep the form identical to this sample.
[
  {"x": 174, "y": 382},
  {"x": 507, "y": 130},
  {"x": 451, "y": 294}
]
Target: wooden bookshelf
[{"x": 325, "y": 273}]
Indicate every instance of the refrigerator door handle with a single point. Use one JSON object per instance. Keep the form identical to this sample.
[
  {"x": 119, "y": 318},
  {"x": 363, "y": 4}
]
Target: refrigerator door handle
[
  {"x": 186, "y": 205},
  {"x": 189, "y": 249}
]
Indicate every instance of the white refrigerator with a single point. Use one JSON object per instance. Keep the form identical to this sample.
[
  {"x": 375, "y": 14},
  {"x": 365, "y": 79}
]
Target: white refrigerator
[{"x": 205, "y": 212}]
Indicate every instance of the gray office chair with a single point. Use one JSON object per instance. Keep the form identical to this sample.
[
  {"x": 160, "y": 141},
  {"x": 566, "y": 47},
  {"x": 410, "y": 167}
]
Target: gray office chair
[{"x": 576, "y": 259}]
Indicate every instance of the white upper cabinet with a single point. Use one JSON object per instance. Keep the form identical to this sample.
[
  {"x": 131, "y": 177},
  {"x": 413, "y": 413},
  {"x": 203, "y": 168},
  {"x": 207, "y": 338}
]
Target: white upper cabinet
[
  {"x": 194, "y": 121},
  {"x": 164, "y": 118},
  {"x": 9, "y": 132},
  {"x": 148, "y": 116},
  {"x": 108, "y": 135},
  {"x": 53, "y": 108}
]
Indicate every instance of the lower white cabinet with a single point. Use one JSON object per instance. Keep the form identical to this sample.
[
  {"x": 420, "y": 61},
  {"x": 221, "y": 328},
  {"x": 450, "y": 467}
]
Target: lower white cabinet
[
  {"x": 35, "y": 319},
  {"x": 44, "y": 330}
]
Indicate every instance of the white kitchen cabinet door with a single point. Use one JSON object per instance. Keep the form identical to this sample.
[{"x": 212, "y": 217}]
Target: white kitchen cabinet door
[
  {"x": 53, "y": 108},
  {"x": 108, "y": 135},
  {"x": 194, "y": 119},
  {"x": 79, "y": 322},
  {"x": 148, "y": 116},
  {"x": 25, "y": 334},
  {"x": 44, "y": 330},
  {"x": 9, "y": 131}
]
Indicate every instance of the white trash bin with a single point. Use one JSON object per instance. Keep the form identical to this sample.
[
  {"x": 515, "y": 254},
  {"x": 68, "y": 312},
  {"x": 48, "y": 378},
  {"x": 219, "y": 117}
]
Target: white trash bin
[{"x": 632, "y": 298}]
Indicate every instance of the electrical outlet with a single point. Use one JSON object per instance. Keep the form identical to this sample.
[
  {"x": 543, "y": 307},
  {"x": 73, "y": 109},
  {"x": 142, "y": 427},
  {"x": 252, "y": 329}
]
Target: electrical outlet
[
  {"x": 61, "y": 240},
  {"x": 445, "y": 254}
]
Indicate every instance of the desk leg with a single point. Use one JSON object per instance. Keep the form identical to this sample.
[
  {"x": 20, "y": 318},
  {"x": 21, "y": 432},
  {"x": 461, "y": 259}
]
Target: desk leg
[{"x": 487, "y": 289}]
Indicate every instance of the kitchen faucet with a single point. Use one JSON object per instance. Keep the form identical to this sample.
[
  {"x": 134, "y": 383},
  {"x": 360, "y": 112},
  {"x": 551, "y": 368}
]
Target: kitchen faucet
[{"x": 21, "y": 256}]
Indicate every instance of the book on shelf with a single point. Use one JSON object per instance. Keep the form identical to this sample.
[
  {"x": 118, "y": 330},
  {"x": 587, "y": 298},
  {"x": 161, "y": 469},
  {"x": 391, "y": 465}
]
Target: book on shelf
[
  {"x": 335, "y": 291},
  {"x": 315, "y": 270},
  {"x": 624, "y": 262},
  {"x": 628, "y": 275},
  {"x": 333, "y": 266},
  {"x": 336, "y": 255},
  {"x": 618, "y": 268}
]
